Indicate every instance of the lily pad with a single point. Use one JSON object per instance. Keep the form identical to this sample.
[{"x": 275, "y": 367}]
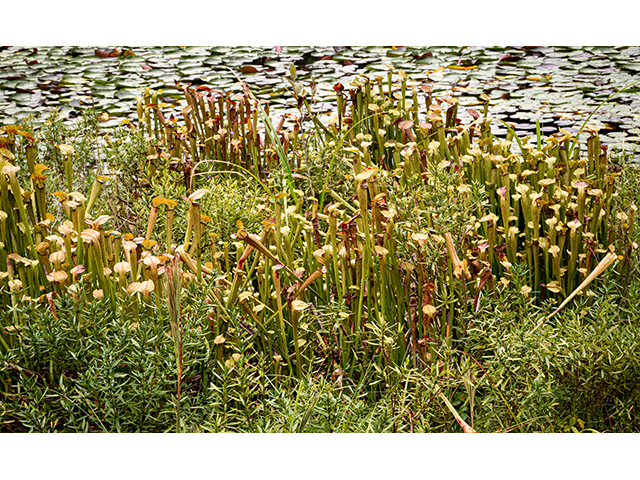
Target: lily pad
[{"x": 556, "y": 80}]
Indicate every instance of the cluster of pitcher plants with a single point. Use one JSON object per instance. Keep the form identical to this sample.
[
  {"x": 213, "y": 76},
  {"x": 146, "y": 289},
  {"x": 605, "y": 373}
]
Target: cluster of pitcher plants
[{"x": 332, "y": 281}]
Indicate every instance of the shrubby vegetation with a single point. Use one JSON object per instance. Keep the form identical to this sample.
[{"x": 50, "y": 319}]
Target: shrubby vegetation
[{"x": 390, "y": 269}]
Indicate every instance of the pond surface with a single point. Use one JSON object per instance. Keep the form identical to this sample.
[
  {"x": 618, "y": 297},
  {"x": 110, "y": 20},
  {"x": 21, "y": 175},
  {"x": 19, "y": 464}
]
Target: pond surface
[{"x": 557, "y": 86}]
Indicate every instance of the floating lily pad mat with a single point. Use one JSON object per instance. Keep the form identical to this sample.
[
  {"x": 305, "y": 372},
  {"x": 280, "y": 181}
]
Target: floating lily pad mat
[{"x": 556, "y": 86}]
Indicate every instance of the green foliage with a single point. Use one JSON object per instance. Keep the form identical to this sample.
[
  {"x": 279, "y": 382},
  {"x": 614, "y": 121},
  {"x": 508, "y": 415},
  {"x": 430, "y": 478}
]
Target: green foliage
[
  {"x": 127, "y": 196},
  {"x": 84, "y": 372},
  {"x": 230, "y": 201},
  {"x": 75, "y": 369},
  {"x": 579, "y": 372}
]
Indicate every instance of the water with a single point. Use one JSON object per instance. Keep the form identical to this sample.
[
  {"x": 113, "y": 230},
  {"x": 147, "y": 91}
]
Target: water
[{"x": 558, "y": 86}]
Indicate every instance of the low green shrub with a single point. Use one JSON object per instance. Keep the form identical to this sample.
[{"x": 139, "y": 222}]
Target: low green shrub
[
  {"x": 578, "y": 373},
  {"x": 80, "y": 368}
]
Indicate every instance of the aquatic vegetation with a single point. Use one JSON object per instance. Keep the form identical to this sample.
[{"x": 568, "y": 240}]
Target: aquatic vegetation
[{"x": 557, "y": 86}]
